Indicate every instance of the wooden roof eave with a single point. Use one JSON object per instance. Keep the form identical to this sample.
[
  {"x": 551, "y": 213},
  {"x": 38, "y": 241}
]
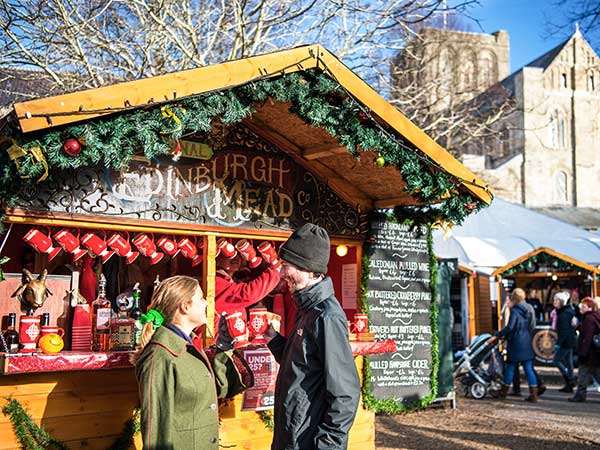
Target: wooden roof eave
[
  {"x": 550, "y": 252},
  {"x": 83, "y": 105}
]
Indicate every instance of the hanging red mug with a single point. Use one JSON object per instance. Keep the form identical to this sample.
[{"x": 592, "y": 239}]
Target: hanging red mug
[
  {"x": 41, "y": 243},
  {"x": 122, "y": 247},
  {"x": 145, "y": 244},
  {"x": 97, "y": 246},
  {"x": 70, "y": 243}
]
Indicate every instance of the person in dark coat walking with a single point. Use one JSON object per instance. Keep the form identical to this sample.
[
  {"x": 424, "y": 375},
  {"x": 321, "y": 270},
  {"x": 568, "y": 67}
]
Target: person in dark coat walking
[
  {"x": 563, "y": 356},
  {"x": 318, "y": 389},
  {"x": 519, "y": 348},
  {"x": 589, "y": 355}
]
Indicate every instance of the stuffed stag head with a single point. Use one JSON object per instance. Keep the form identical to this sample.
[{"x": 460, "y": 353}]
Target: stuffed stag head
[{"x": 33, "y": 292}]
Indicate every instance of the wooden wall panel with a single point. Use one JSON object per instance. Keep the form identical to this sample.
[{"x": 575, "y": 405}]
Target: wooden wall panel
[
  {"x": 89, "y": 409},
  {"x": 483, "y": 305}
]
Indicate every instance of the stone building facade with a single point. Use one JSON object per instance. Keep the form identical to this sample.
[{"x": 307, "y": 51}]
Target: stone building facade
[{"x": 546, "y": 152}]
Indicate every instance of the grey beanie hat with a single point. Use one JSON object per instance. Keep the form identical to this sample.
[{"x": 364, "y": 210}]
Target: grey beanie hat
[{"x": 307, "y": 248}]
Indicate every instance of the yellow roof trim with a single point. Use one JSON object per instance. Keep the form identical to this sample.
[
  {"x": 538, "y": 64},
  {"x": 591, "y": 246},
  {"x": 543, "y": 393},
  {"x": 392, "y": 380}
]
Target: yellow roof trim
[{"x": 77, "y": 106}]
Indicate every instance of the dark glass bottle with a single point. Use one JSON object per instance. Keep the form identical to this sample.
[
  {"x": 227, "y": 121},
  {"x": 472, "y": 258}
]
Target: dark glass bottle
[
  {"x": 10, "y": 335},
  {"x": 45, "y": 322},
  {"x": 135, "y": 314}
]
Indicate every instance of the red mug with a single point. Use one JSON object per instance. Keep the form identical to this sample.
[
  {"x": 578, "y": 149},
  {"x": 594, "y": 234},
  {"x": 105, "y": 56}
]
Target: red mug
[
  {"x": 168, "y": 246},
  {"x": 41, "y": 243},
  {"x": 146, "y": 246},
  {"x": 258, "y": 324},
  {"x": 96, "y": 246},
  {"x": 29, "y": 332},
  {"x": 248, "y": 253},
  {"x": 190, "y": 251},
  {"x": 52, "y": 330},
  {"x": 236, "y": 325},
  {"x": 226, "y": 248},
  {"x": 361, "y": 323},
  {"x": 269, "y": 254},
  {"x": 69, "y": 243},
  {"x": 122, "y": 247}
]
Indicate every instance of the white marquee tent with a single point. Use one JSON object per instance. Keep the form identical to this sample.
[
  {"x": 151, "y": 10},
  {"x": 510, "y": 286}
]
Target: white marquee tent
[{"x": 506, "y": 231}]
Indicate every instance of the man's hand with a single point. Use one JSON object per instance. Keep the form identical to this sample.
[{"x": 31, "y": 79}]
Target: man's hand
[
  {"x": 270, "y": 333},
  {"x": 224, "y": 339}
]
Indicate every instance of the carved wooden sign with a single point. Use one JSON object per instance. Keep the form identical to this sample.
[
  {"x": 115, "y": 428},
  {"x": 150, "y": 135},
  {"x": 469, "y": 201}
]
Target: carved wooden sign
[{"x": 241, "y": 185}]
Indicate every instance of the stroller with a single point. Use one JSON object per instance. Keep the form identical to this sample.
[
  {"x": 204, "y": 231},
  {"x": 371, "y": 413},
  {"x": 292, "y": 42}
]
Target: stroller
[{"x": 479, "y": 368}]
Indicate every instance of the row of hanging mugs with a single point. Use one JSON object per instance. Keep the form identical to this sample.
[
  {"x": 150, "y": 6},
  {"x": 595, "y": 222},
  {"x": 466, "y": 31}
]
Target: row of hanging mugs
[
  {"x": 145, "y": 245},
  {"x": 116, "y": 244}
]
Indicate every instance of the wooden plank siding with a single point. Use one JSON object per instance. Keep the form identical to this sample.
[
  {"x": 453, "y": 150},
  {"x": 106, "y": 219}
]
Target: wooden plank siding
[{"x": 483, "y": 305}]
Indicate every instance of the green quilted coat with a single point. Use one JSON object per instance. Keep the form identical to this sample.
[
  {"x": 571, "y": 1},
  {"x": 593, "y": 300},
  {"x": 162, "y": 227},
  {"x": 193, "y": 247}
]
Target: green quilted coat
[{"x": 178, "y": 388}]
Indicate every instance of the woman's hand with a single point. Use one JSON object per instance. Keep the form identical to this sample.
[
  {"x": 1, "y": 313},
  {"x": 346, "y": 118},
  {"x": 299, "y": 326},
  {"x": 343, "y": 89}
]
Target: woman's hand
[{"x": 491, "y": 340}]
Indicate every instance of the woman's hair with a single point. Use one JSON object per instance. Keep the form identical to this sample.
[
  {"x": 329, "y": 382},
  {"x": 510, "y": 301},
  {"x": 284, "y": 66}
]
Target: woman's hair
[
  {"x": 517, "y": 296},
  {"x": 590, "y": 303},
  {"x": 166, "y": 299},
  {"x": 563, "y": 297}
]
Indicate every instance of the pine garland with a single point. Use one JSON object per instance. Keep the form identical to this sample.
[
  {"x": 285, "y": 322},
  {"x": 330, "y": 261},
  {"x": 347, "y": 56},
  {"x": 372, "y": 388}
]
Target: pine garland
[
  {"x": 112, "y": 141},
  {"x": 545, "y": 259},
  {"x": 34, "y": 437},
  {"x": 267, "y": 419},
  {"x": 391, "y": 406}
]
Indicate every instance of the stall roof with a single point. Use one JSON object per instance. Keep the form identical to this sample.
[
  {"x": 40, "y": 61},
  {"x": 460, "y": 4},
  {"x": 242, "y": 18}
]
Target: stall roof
[
  {"x": 358, "y": 181},
  {"x": 548, "y": 251},
  {"x": 504, "y": 232}
]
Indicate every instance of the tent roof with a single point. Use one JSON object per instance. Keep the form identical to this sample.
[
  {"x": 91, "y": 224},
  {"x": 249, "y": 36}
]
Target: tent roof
[
  {"x": 358, "y": 181},
  {"x": 504, "y": 232}
]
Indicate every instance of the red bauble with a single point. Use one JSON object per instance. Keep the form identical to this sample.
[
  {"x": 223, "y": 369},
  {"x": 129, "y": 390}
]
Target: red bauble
[{"x": 72, "y": 147}]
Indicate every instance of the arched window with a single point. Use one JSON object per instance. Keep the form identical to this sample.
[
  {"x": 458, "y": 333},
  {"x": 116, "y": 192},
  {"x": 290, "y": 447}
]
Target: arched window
[
  {"x": 467, "y": 73},
  {"x": 561, "y": 193},
  {"x": 558, "y": 130},
  {"x": 444, "y": 76},
  {"x": 591, "y": 82},
  {"x": 487, "y": 69}
]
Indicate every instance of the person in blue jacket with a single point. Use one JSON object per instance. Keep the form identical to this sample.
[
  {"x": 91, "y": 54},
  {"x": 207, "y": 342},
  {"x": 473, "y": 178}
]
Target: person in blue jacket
[{"x": 518, "y": 342}]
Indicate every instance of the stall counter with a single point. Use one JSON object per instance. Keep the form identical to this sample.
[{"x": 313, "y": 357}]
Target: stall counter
[{"x": 84, "y": 400}]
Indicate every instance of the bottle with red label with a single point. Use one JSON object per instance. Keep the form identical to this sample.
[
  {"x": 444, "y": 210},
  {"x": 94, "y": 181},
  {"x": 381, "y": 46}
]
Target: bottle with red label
[{"x": 101, "y": 318}]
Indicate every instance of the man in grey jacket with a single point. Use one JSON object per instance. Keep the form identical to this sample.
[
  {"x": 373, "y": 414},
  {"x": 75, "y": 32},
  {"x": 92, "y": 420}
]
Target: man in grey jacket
[{"x": 318, "y": 389}]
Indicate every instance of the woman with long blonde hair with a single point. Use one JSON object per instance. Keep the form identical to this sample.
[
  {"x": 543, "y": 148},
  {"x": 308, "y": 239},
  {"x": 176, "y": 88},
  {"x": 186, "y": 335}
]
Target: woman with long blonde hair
[{"x": 178, "y": 384}]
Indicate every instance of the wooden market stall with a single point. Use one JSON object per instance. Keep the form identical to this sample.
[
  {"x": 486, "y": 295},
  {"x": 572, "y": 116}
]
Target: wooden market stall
[
  {"x": 248, "y": 149},
  {"x": 541, "y": 273}
]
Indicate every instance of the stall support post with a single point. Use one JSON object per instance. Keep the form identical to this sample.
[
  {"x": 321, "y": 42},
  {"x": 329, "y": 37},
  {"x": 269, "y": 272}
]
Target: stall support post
[
  {"x": 471, "y": 300},
  {"x": 594, "y": 284},
  {"x": 359, "y": 301},
  {"x": 209, "y": 269},
  {"x": 499, "y": 302}
]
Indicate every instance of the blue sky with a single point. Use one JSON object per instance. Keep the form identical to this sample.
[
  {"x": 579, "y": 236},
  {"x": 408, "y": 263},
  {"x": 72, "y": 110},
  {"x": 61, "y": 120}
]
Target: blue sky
[{"x": 525, "y": 21}]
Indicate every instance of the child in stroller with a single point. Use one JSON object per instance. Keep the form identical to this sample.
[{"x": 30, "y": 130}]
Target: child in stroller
[{"x": 479, "y": 368}]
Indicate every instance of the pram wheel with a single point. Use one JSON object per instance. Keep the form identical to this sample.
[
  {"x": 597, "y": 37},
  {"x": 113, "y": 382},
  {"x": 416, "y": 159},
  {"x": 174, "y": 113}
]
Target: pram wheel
[{"x": 477, "y": 390}]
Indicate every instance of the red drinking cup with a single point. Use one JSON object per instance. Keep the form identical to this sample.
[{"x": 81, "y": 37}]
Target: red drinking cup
[
  {"x": 52, "y": 330},
  {"x": 226, "y": 248},
  {"x": 168, "y": 246},
  {"x": 69, "y": 243},
  {"x": 122, "y": 247},
  {"x": 248, "y": 253},
  {"x": 146, "y": 246},
  {"x": 236, "y": 325},
  {"x": 29, "y": 332},
  {"x": 97, "y": 246},
  {"x": 361, "y": 323},
  {"x": 258, "y": 324},
  {"x": 269, "y": 254},
  {"x": 41, "y": 243}
]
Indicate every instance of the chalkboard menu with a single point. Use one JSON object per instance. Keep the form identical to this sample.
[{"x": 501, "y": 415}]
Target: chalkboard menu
[{"x": 399, "y": 299}]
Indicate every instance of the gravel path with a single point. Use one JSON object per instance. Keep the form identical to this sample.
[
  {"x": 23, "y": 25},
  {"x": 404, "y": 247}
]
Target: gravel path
[{"x": 551, "y": 424}]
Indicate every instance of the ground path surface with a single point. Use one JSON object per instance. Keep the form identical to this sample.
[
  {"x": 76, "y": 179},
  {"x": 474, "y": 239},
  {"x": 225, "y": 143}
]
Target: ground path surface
[{"x": 551, "y": 424}]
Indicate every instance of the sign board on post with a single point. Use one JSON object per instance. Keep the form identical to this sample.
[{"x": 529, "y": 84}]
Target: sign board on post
[
  {"x": 399, "y": 299},
  {"x": 261, "y": 396}
]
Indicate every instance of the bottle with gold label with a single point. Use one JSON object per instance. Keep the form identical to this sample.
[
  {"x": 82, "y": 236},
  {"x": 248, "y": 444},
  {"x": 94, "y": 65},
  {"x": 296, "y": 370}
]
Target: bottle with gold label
[
  {"x": 122, "y": 336},
  {"x": 101, "y": 318}
]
